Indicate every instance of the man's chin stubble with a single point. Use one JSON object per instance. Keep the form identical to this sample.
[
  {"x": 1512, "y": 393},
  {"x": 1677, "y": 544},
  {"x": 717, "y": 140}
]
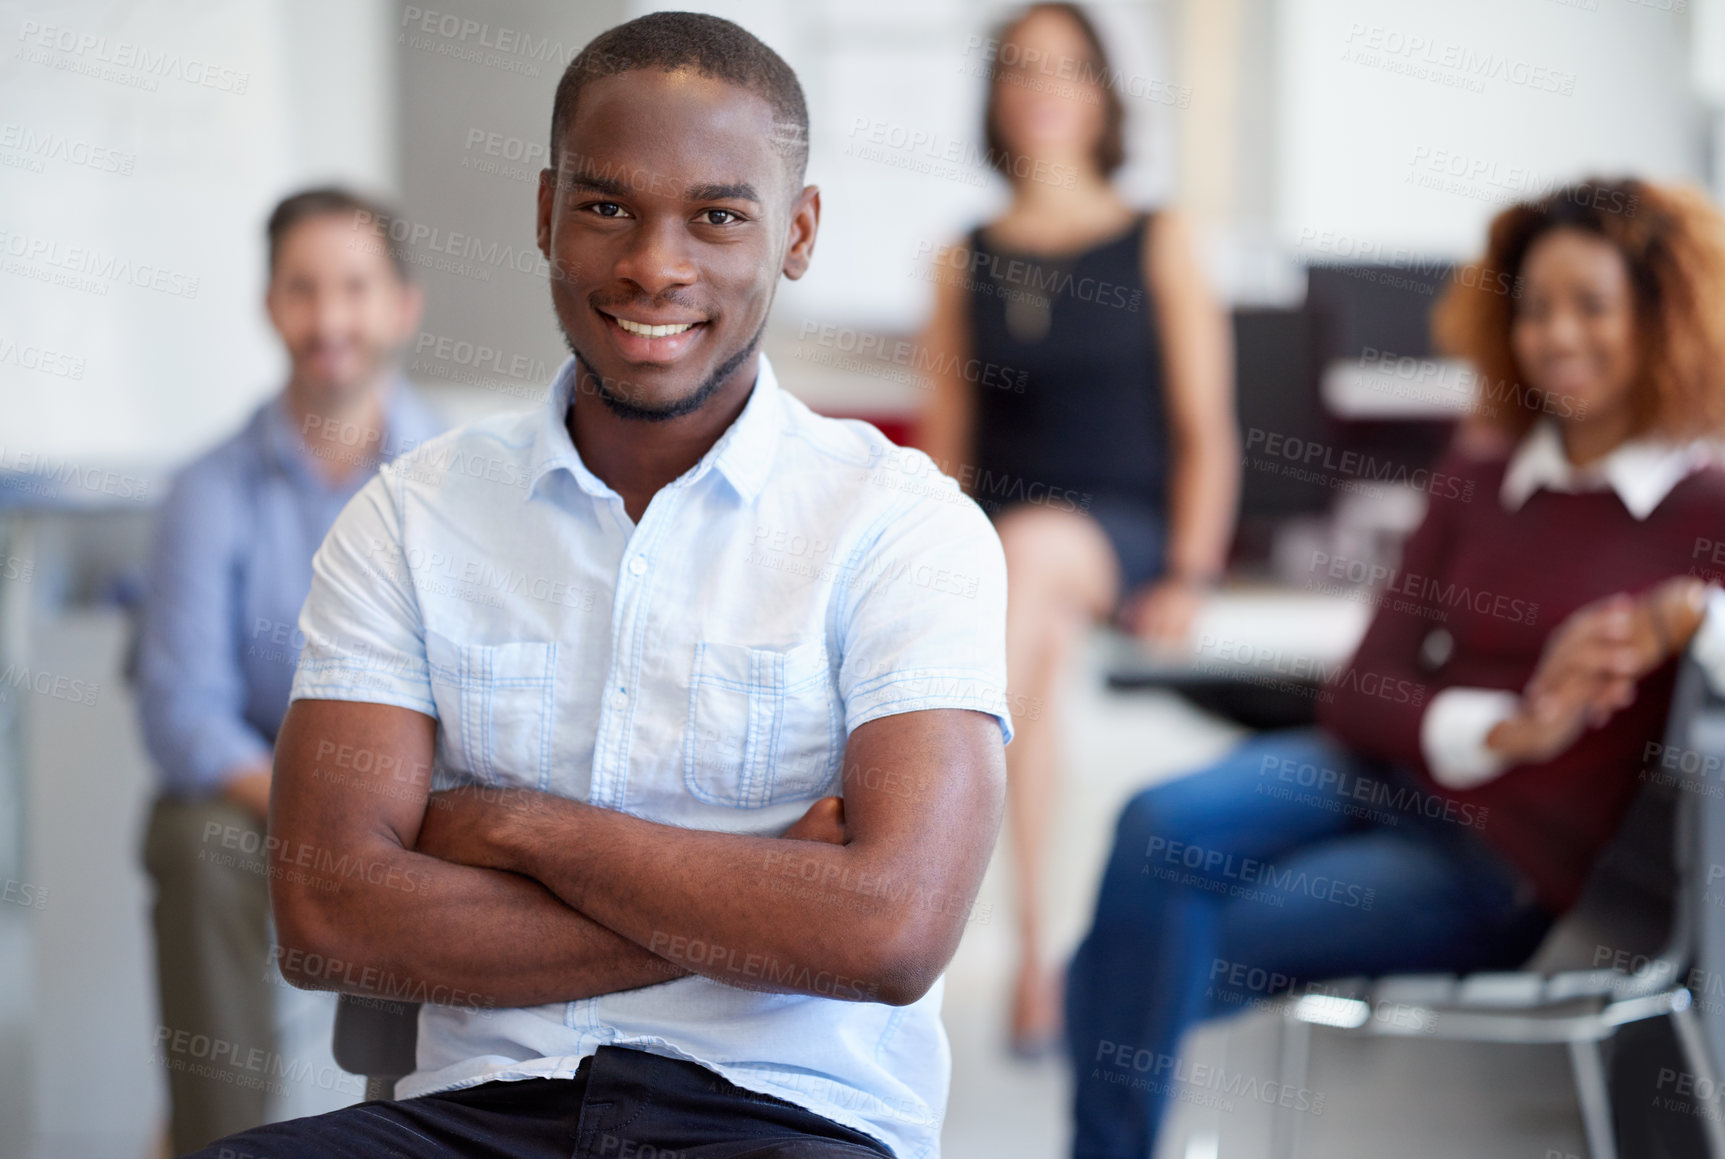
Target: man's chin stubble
[{"x": 624, "y": 408}]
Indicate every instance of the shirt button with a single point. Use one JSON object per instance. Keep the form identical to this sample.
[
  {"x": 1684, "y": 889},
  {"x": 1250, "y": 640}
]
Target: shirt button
[
  {"x": 619, "y": 699},
  {"x": 637, "y": 566}
]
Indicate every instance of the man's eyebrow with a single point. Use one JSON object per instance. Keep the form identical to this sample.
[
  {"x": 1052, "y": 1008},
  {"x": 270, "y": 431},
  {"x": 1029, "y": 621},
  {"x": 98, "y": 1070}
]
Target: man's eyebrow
[
  {"x": 735, "y": 191},
  {"x": 597, "y": 184},
  {"x": 612, "y": 187}
]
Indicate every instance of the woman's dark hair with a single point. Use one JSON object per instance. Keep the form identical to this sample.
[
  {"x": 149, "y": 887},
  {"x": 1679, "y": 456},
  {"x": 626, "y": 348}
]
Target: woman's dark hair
[
  {"x": 1673, "y": 243},
  {"x": 1110, "y": 150}
]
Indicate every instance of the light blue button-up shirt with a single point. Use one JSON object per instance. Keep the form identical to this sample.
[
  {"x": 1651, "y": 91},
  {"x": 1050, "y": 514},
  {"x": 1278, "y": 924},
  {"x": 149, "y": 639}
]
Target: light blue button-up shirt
[
  {"x": 702, "y": 668},
  {"x": 229, "y": 570}
]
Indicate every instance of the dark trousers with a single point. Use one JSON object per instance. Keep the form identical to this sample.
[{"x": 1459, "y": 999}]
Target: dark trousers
[{"x": 622, "y": 1104}]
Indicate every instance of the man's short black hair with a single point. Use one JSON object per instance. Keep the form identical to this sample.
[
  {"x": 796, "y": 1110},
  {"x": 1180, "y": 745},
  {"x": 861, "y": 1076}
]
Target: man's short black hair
[
  {"x": 370, "y": 219},
  {"x": 712, "y": 47}
]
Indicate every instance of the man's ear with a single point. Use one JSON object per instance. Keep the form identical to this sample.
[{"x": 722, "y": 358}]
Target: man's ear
[
  {"x": 805, "y": 221},
  {"x": 547, "y": 203}
]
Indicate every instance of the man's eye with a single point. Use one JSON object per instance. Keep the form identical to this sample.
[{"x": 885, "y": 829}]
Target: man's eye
[
  {"x": 606, "y": 209},
  {"x": 727, "y": 215}
]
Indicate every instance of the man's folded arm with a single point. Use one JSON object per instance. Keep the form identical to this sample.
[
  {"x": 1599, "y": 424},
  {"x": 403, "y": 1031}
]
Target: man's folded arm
[
  {"x": 359, "y": 911},
  {"x": 876, "y": 918}
]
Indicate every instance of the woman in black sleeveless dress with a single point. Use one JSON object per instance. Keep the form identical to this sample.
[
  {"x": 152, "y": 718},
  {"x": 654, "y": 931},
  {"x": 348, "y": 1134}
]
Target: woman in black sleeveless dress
[{"x": 1089, "y": 410}]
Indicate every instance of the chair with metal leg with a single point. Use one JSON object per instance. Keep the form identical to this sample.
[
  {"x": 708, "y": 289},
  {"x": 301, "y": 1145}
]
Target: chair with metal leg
[{"x": 1644, "y": 898}]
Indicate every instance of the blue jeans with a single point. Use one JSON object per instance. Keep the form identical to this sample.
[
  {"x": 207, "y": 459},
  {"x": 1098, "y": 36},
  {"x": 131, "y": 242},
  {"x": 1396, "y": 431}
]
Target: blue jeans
[{"x": 1289, "y": 862}]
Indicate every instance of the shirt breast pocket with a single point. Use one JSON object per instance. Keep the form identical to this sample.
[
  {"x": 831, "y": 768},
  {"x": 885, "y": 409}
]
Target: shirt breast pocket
[
  {"x": 763, "y": 725},
  {"x": 494, "y": 708}
]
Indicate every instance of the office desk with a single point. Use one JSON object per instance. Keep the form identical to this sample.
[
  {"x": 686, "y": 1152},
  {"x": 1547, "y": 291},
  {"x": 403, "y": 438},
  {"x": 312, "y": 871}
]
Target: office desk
[{"x": 1257, "y": 654}]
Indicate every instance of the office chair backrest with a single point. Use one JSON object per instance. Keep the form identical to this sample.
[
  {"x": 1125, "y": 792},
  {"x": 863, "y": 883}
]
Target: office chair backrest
[
  {"x": 1637, "y": 905},
  {"x": 375, "y": 1037}
]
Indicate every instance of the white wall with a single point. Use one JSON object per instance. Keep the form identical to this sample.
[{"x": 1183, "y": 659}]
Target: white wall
[
  {"x": 1369, "y": 96},
  {"x": 181, "y": 173}
]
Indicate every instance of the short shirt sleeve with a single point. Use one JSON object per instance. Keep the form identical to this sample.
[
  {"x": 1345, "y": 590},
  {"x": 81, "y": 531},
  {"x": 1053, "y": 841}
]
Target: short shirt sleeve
[
  {"x": 364, "y": 636},
  {"x": 923, "y": 615}
]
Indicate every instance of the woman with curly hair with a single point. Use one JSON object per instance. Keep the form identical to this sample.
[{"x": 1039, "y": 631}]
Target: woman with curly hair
[{"x": 1483, "y": 743}]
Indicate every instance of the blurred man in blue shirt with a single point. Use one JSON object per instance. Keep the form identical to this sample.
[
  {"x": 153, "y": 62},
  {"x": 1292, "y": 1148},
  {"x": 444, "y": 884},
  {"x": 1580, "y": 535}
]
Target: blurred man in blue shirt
[{"x": 230, "y": 568}]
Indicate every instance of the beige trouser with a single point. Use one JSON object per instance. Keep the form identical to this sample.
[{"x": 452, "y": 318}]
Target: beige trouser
[{"x": 212, "y": 926}]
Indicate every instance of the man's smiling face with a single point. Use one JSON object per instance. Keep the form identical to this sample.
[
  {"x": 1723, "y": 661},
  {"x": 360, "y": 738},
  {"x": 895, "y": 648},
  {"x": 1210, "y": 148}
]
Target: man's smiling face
[{"x": 667, "y": 222}]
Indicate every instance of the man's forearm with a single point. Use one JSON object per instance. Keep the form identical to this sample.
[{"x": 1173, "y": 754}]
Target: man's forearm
[
  {"x": 756, "y": 912},
  {"x": 389, "y": 922},
  {"x": 864, "y": 901}
]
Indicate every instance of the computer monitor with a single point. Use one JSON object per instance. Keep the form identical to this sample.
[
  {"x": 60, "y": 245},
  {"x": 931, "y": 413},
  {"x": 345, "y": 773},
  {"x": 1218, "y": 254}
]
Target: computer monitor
[{"x": 1277, "y": 355}]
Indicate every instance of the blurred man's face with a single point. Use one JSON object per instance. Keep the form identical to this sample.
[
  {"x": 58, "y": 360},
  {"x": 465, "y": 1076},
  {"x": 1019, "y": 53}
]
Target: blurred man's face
[
  {"x": 339, "y": 307},
  {"x": 667, "y": 222}
]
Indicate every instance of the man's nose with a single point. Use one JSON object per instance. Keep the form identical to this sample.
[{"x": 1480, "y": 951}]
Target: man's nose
[
  {"x": 330, "y": 314},
  {"x": 658, "y": 258}
]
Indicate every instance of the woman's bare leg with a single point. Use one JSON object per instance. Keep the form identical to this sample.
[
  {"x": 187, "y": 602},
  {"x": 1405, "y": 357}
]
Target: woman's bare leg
[{"x": 1061, "y": 577}]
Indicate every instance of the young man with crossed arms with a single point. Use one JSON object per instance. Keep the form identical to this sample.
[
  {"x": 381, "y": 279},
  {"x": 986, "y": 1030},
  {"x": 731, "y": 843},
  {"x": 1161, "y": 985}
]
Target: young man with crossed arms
[{"x": 646, "y": 636}]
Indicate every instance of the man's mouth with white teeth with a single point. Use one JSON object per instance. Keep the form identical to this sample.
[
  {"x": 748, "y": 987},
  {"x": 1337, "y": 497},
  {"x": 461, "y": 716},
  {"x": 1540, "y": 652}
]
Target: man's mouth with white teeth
[
  {"x": 658, "y": 342},
  {"x": 653, "y": 331}
]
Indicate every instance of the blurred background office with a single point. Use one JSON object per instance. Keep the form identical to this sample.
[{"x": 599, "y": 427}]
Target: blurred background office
[{"x": 1333, "y": 158}]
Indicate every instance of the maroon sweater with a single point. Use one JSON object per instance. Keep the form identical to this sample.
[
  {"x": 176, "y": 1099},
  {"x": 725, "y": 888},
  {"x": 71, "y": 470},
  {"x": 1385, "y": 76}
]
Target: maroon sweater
[{"x": 1498, "y": 582}]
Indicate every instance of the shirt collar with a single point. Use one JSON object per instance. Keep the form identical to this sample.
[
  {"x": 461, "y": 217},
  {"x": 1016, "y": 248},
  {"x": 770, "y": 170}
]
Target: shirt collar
[
  {"x": 743, "y": 454},
  {"x": 408, "y": 422},
  {"x": 1642, "y": 472}
]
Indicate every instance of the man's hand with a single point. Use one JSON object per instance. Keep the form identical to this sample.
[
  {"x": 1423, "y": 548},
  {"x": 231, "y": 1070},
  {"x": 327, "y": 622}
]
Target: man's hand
[
  {"x": 467, "y": 825},
  {"x": 874, "y": 916},
  {"x": 352, "y": 789},
  {"x": 825, "y": 821},
  {"x": 249, "y": 787}
]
